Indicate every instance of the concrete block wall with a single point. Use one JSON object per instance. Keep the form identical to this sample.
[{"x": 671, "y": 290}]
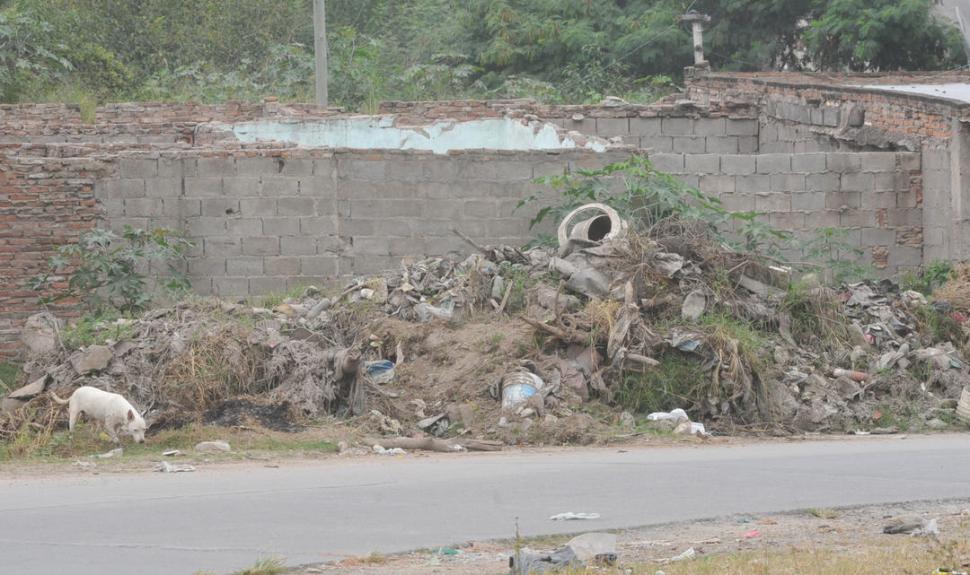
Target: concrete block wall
[
  {"x": 937, "y": 202},
  {"x": 264, "y": 222},
  {"x": 678, "y": 134},
  {"x": 875, "y": 196}
]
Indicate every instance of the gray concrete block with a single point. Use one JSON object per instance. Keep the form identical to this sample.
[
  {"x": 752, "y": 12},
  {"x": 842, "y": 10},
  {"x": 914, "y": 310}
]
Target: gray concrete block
[
  {"x": 507, "y": 228},
  {"x": 668, "y": 162},
  {"x": 163, "y": 187},
  {"x": 737, "y": 202},
  {"x": 773, "y": 202},
  {"x": 325, "y": 168},
  {"x": 241, "y": 187},
  {"x": 909, "y": 161},
  {"x": 143, "y": 207},
  {"x": 480, "y": 209},
  {"x": 207, "y": 266},
  {"x": 663, "y": 144},
  {"x": 222, "y": 246},
  {"x": 818, "y": 219},
  {"x": 279, "y": 187},
  {"x": 717, "y": 185},
  {"x": 229, "y": 287},
  {"x": 774, "y": 163},
  {"x": 831, "y": 116},
  {"x": 878, "y": 161},
  {"x": 702, "y": 163},
  {"x": 259, "y": 166},
  {"x": 443, "y": 209},
  {"x": 372, "y": 246},
  {"x": 808, "y": 201},
  {"x": 676, "y": 127},
  {"x": 585, "y": 126},
  {"x": 889, "y": 181},
  {"x": 775, "y": 147},
  {"x": 808, "y": 163},
  {"x": 788, "y": 182},
  {"x": 405, "y": 170},
  {"x": 858, "y": 182},
  {"x": 244, "y": 266},
  {"x": 645, "y": 126},
  {"x": 843, "y": 200},
  {"x": 212, "y": 167},
  {"x": 827, "y": 182},
  {"x": 115, "y": 189},
  {"x": 202, "y": 187},
  {"x": 710, "y": 127},
  {"x": 843, "y": 162},
  {"x": 257, "y": 207},
  {"x": 296, "y": 167},
  {"x": 281, "y": 266},
  {"x": 742, "y": 127},
  {"x": 318, "y": 226},
  {"x": 748, "y": 145},
  {"x": 878, "y": 237},
  {"x": 690, "y": 144},
  {"x": 267, "y": 285},
  {"x": 787, "y": 221},
  {"x": 170, "y": 168},
  {"x": 244, "y": 227},
  {"x": 261, "y": 246},
  {"x": 385, "y": 208},
  {"x": 171, "y": 208},
  {"x": 878, "y": 200},
  {"x": 849, "y": 218},
  {"x": 281, "y": 226},
  {"x": 753, "y": 184},
  {"x": 362, "y": 170},
  {"x": 203, "y": 227},
  {"x": 608, "y": 127},
  {"x": 722, "y": 145},
  {"x": 220, "y": 207},
  {"x": 297, "y": 246},
  {"x": 910, "y": 217},
  {"x": 295, "y": 207},
  {"x": 740, "y": 165},
  {"x": 138, "y": 168},
  {"x": 202, "y": 286}
]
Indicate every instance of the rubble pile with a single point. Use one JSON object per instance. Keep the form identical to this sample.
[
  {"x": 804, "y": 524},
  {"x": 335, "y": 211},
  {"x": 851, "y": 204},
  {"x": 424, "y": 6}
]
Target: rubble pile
[{"x": 513, "y": 345}]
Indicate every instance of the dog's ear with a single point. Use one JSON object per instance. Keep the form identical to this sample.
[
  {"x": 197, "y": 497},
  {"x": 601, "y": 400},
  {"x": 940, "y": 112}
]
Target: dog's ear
[{"x": 131, "y": 415}]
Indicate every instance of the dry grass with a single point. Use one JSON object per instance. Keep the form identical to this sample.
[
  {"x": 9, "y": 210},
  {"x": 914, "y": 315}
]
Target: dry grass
[
  {"x": 956, "y": 291},
  {"x": 272, "y": 566},
  {"x": 890, "y": 555}
]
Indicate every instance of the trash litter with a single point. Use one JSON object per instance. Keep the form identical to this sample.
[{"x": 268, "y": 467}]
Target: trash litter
[
  {"x": 427, "y": 312},
  {"x": 910, "y": 525},
  {"x": 116, "y": 452},
  {"x": 573, "y": 516},
  {"x": 753, "y": 534},
  {"x": 166, "y": 467},
  {"x": 694, "y": 305},
  {"x": 853, "y": 375},
  {"x": 85, "y": 464},
  {"x": 526, "y": 562},
  {"x": 393, "y": 451},
  {"x": 518, "y": 386},
  {"x": 172, "y": 453},
  {"x": 687, "y": 555},
  {"x": 963, "y": 407},
  {"x": 589, "y": 546},
  {"x": 605, "y": 227},
  {"x": 380, "y": 372},
  {"x": 212, "y": 447},
  {"x": 447, "y": 551},
  {"x": 677, "y": 416}
]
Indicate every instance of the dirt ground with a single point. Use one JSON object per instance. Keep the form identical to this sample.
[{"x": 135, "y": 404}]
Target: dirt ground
[{"x": 853, "y": 535}]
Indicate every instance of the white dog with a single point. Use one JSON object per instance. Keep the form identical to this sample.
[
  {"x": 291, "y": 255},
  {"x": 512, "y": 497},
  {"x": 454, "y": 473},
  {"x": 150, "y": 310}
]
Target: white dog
[{"x": 110, "y": 409}]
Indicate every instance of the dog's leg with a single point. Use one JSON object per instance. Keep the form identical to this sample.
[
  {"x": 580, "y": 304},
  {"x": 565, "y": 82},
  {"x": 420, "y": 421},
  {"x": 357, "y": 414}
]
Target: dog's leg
[{"x": 74, "y": 412}]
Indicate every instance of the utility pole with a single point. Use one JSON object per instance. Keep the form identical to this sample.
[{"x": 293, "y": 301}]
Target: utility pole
[{"x": 320, "y": 50}]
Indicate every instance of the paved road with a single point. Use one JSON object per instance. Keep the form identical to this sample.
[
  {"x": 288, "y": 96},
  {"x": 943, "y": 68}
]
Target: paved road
[{"x": 309, "y": 512}]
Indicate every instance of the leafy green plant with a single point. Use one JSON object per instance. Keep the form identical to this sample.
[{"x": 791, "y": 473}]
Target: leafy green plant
[
  {"x": 108, "y": 272},
  {"x": 929, "y": 278},
  {"x": 836, "y": 257}
]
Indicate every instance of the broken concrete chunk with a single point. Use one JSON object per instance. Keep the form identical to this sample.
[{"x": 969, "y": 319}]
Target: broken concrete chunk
[
  {"x": 31, "y": 390},
  {"x": 693, "y": 306},
  {"x": 8, "y": 405},
  {"x": 213, "y": 447},
  {"x": 590, "y": 283},
  {"x": 94, "y": 358},
  {"x": 39, "y": 334},
  {"x": 550, "y": 298}
]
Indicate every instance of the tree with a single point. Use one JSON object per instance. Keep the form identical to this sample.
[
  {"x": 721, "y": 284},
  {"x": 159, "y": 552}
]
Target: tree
[{"x": 883, "y": 35}]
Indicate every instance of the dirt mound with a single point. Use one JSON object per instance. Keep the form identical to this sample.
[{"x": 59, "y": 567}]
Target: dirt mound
[{"x": 536, "y": 346}]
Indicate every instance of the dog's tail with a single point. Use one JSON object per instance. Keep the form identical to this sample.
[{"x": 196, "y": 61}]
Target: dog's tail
[{"x": 59, "y": 400}]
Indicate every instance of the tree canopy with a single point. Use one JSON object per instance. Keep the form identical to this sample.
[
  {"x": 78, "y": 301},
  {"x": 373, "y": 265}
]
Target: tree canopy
[{"x": 555, "y": 50}]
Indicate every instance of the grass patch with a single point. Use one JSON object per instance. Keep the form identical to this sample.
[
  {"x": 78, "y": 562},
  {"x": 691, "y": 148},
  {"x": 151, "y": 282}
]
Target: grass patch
[
  {"x": 34, "y": 445},
  {"x": 270, "y": 566},
  {"x": 271, "y": 300},
  {"x": 816, "y": 318},
  {"x": 824, "y": 513},
  {"x": 9, "y": 376},
  {"x": 941, "y": 326},
  {"x": 666, "y": 387},
  {"x": 95, "y": 330}
]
